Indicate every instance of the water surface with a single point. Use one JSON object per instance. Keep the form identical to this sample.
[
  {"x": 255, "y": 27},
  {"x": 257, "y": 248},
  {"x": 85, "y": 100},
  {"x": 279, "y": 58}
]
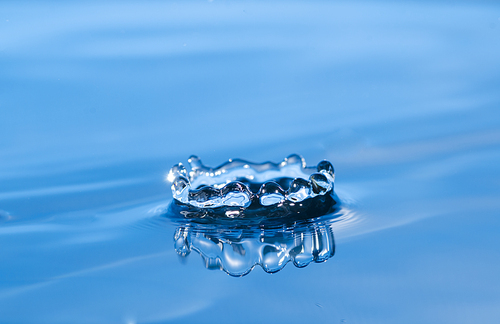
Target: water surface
[{"x": 99, "y": 99}]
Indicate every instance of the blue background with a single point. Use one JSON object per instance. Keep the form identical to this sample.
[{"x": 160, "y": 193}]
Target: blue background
[{"x": 99, "y": 99}]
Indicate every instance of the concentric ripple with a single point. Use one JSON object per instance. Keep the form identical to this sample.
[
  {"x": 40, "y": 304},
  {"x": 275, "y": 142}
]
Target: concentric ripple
[{"x": 238, "y": 186}]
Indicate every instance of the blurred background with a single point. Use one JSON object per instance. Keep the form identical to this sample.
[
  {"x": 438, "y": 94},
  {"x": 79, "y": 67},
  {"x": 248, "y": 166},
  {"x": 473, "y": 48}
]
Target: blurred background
[{"x": 98, "y": 99}]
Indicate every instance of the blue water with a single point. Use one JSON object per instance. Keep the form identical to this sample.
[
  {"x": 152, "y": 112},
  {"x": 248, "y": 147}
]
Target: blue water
[{"x": 99, "y": 99}]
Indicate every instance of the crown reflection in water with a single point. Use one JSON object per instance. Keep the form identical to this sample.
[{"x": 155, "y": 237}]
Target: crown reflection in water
[
  {"x": 244, "y": 214},
  {"x": 237, "y": 252}
]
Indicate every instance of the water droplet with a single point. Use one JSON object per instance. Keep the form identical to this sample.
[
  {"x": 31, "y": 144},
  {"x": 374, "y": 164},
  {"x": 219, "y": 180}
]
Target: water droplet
[
  {"x": 236, "y": 194},
  {"x": 205, "y": 197},
  {"x": 194, "y": 162},
  {"x": 326, "y": 167},
  {"x": 295, "y": 159},
  {"x": 320, "y": 183},
  {"x": 324, "y": 247},
  {"x": 180, "y": 242},
  {"x": 302, "y": 256},
  {"x": 273, "y": 258},
  {"x": 300, "y": 189},
  {"x": 175, "y": 171},
  {"x": 179, "y": 185},
  {"x": 271, "y": 193}
]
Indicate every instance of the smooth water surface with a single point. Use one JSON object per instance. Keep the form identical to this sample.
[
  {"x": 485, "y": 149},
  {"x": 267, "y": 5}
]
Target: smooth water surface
[{"x": 99, "y": 99}]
